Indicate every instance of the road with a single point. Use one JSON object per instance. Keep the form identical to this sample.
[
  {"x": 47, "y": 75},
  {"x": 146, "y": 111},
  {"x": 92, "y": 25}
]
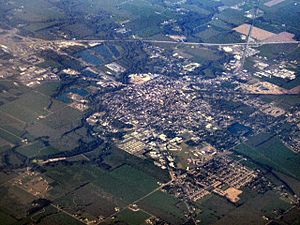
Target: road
[
  {"x": 247, "y": 43},
  {"x": 205, "y": 44},
  {"x": 248, "y": 39}
]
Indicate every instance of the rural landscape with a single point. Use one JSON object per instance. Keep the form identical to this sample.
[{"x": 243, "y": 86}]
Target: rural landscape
[{"x": 158, "y": 112}]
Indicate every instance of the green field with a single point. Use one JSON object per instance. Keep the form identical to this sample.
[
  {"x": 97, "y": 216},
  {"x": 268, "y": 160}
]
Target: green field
[
  {"x": 201, "y": 55},
  {"x": 286, "y": 13},
  {"x": 93, "y": 192},
  {"x": 118, "y": 157},
  {"x": 4, "y": 177},
  {"x": 164, "y": 206},
  {"x": 51, "y": 215},
  {"x": 59, "y": 218},
  {"x": 213, "y": 208},
  {"x": 27, "y": 107},
  {"x": 90, "y": 201},
  {"x": 125, "y": 183},
  {"x": 132, "y": 218},
  {"x": 271, "y": 152},
  {"x": 252, "y": 211},
  {"x": 96, "y": 180},
  {"x": 6, "y": 219},
  {"x": 15, "y": 201},
  {"x": 293, "y": 183},
  {"x": 122, "y": 186},
  {"x": 217, "y": 210},
  {"x": 4, "y": 145},
  {"x": 36, "y": 149},
  {"x": 32, "y": 13},
  {"x": 232, "y": 16},
  {"x": 292, "y": 217},
  {"x": 11, "y": 128},
  {"x": 8, "y": 136},
  {"x": 56, "y": 124},
  {"x": 48, "y": 88},
  {"x": 21, "y": 119}
]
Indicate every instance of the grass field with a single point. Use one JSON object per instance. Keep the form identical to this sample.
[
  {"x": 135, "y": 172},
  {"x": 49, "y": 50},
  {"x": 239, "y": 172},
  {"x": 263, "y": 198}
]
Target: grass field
[
  {"x": 48, "y": 88},
  {"x": 33, "y": 13},
  {"x": 11, "y": 129},
  {"x": 232, "y": 16},
  {"x": 217, "y": 210},
  {"x": 133, "y": 218},
  {"x": 165, "y": 207},
  {"x": 128, "y": 174},
  {"x": 56, "y": 127},
  {"x": 202, "y": 55},
  {"x": 118, "y": 157},
  {"x": 148, "y": 17},
  {"x": 36, "y": 150},
  {"x": 292, "y": 182},
  {"x": 252, "y": 211},
  {"x": 93, "y": 192},
  {"x": 59, "y": 218},
  {"x": 27, "y": 107},
  {"x": 286, "y": 13},
  {"x": 51, "y": 216},
  {"x": 271, "y": 152},
  {"x": 22, "y": 117},
  {"x": 292, "y": 217},
  {"x": 4, "y": 177},
  {"x": 90, "y": 201},
  {"x": 97, "y": 192},
  {"x": 213, "y": 208},
  {"x": 125, "y": 183},
  {"x": 10, "y": 137},
  {"x": 6, "y": 219},
  {"x": 14, "y": 201}
]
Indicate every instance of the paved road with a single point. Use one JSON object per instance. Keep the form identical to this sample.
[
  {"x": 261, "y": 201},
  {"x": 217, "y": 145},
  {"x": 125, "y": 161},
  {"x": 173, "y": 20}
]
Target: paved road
[
  {"x": 182, "y": 43},
  {"x": 248, "y": 39},
  {"x": 247, "y": 43}
]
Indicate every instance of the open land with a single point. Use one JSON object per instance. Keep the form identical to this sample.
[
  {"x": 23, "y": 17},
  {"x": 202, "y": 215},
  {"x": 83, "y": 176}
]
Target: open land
[{"x": 149, "y": 112}]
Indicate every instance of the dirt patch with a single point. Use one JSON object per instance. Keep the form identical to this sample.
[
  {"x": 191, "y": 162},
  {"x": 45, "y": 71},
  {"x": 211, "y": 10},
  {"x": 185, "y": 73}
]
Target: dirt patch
[
  {"x": 294, "y": 91},
  {"x": 273, "y": 2},
  {"x": 264, "y": 88},
  {"x": 232, "y": 194},
  {"x": 257, "y": 33},
  {"x": 281, "y": 37}
]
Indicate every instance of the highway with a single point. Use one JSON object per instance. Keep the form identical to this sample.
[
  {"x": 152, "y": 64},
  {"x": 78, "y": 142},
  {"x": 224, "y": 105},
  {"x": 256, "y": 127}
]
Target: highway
[
  {"x": 248, "y": 39},
  {"x": 170, "y": 42},
  {"x": 248, "y": 43}
]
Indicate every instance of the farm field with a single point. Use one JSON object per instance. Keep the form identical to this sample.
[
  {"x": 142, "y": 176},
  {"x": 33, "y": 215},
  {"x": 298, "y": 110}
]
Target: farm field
[
  {"x": 131, "y": 217},
  {"x": 215, "y": 210},
  {"x": 271, "y": 152},
  {"x": 126, "y": 189},
  {"x": 149, "y": 112},
  {"x": 168, "y": 208},
  {"x": 31, "y": 110},
  {"x": 49, "y": 215},
  {"x": 36, "y": 150}
]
